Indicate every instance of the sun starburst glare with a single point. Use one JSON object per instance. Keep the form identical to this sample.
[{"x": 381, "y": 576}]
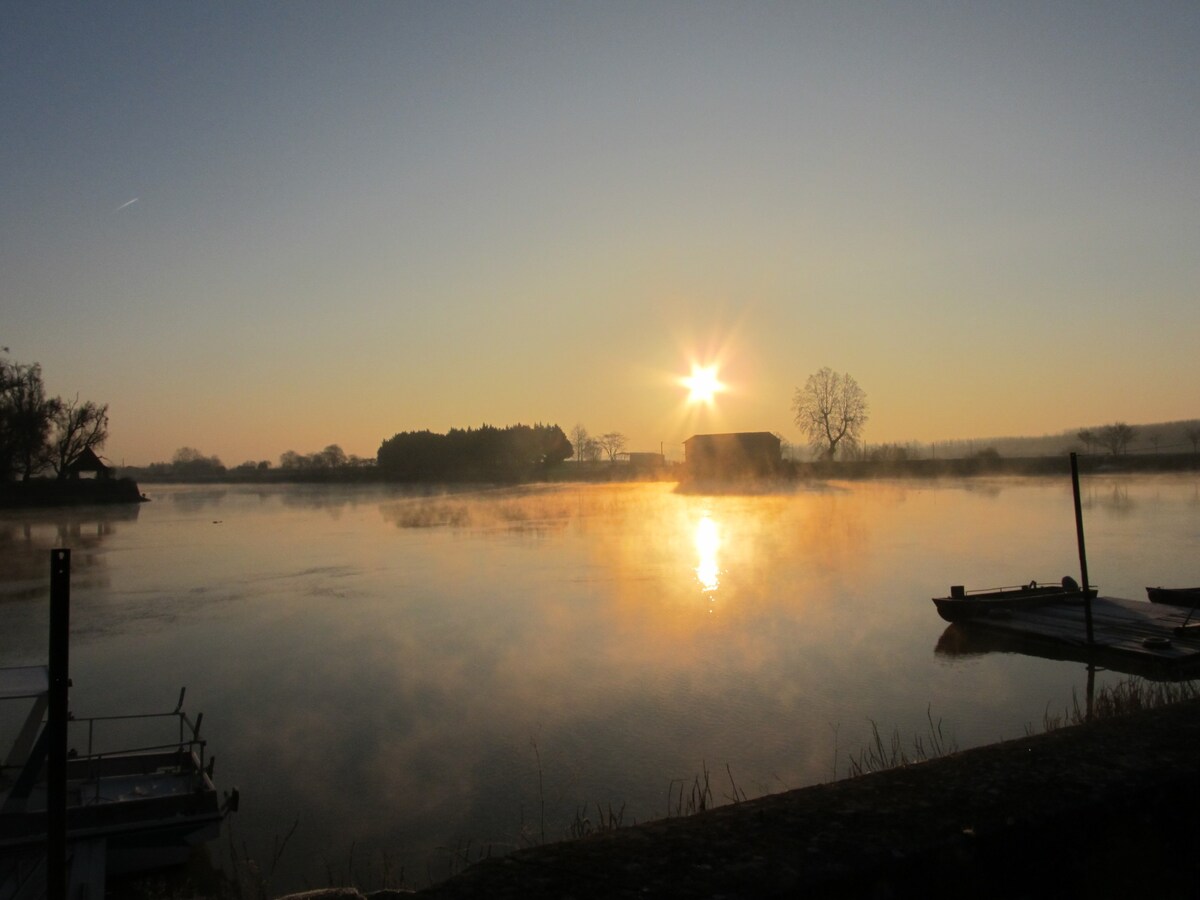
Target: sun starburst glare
[{"x": 703, "y": 384}]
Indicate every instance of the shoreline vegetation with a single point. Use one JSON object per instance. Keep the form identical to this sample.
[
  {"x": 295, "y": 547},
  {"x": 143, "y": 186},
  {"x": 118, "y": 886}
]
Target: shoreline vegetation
[
  {"x": 39, "y": 493},
  {"x": 788, "y": 472},
  {"x": 917, "y": 816},
  {"x": 1093, "y": 810}
]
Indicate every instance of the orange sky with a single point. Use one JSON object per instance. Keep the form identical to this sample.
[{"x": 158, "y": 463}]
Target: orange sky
[{"x": 259, "y": 228}]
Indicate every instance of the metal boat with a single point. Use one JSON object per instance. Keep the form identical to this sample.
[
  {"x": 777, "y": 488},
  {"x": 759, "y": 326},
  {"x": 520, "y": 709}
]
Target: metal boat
[
  {"x": 1174, "y": 596},
  {"x": 139, "y": 788},
  {"x": 963, "y": 605}
]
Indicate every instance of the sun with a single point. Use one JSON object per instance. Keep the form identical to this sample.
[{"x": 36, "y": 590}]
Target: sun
[{"x": 702, "y": 384}]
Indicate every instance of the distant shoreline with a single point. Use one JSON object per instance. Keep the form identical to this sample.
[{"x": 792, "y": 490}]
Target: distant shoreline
[
  {"x": 958, "y": 467},
  {"x": 984, "y": 465}
]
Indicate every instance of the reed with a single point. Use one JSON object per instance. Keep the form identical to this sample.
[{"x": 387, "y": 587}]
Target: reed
[
  {"x": 1128, "y": 696},
  {"x": 698, "y": 797},
  {"x": 880, "y": 755},
  {"x": 606, "y": 820}
]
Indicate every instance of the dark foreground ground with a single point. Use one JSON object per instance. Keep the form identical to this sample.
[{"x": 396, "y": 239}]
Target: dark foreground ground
[{"x": 1103, "y": 810}]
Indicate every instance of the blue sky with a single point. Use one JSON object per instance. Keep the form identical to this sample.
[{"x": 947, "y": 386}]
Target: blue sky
[{"x": 353, "y": 219}]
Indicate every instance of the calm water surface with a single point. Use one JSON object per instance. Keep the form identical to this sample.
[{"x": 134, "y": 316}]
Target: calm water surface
[{"x": 407, "y": 680}]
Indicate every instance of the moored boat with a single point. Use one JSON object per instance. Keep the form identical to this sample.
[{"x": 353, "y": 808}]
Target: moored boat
[
  {"x": 1174, "y": 596},
  {"x": 150, "y": 801},
  {"x": 964, "y": 605}
]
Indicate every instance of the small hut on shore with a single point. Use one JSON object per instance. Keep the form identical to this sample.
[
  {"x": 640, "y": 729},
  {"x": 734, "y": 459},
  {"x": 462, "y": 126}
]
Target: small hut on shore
[{"x": 89, "y": 465}]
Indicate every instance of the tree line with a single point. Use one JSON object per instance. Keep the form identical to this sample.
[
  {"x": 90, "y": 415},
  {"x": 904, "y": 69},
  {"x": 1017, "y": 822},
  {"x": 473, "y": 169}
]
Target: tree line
[
  {"x": 1117, "y": 438},
  {"x": 485, "y": 454},
  {"x": 592, "y": 449},
  {"x": 41, "y": 434}
]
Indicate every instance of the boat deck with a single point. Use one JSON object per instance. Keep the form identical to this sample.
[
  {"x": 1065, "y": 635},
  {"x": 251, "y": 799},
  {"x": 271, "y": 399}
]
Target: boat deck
[{"x": 1128, "y": 634}]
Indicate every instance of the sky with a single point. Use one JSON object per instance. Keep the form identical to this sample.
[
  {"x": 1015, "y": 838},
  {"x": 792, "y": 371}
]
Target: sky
[{"x": 259, "y": 227}]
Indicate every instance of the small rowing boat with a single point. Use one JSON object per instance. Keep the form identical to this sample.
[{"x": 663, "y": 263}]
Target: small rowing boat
[
  {"x": 964, "y": 605},
  {"x": 1174, "y": 596}
]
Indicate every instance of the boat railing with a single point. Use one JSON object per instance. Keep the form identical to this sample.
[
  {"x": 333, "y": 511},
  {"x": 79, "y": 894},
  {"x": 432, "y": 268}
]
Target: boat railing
[
  {"x": 187, "y": 739},
  {"x": 959, "y": 590}
]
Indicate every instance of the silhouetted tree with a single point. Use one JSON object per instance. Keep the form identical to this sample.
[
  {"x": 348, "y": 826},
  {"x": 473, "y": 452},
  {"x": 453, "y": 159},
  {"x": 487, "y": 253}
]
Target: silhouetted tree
[
  {"x": 39, "y": 432},
  {"x": 1193, "y": 435},
  {"x": 579, "y": 437},
  {"x": 830, "y": 408},
  {"x": 188, "y": 462},
  {"x": 611, "y": 443},
  {"x": 332, "y": 457},
  {"x": 1088, "y": 437},
  {"x": 290, "y": 459},
  {"x": 79, "y": 427},
  {"x": 253, "y": 466},
  {"x": 26, "y": 419},
  {"x": 1116, "y": 437},
  {"x": 515, "y": 453}
]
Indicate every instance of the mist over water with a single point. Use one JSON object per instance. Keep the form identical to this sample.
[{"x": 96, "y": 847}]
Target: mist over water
[{"x": 411, "y": 675}]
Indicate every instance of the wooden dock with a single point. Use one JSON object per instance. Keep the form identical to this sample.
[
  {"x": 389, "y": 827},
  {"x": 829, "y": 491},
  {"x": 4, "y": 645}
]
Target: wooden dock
[{"x": 1130, "y": 636}]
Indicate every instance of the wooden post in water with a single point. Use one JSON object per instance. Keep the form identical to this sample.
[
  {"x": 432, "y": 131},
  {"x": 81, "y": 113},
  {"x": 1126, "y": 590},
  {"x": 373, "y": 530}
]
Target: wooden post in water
[
  {"x": 1087, "y": 594},
  {"x": 56, "y": 725}
]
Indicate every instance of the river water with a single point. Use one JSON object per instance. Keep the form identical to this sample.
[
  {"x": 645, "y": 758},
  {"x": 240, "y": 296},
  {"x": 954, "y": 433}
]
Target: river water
[{"x": 398, "y": 683}]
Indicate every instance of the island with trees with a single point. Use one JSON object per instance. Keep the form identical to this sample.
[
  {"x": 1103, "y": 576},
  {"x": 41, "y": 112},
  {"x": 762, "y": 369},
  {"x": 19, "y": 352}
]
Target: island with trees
[{"x": 48, "y": 445}]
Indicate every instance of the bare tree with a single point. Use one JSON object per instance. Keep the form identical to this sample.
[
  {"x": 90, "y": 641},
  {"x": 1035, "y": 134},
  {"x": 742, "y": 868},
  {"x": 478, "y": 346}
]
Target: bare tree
[
  {"x": 79, "y": 427},
  {"x": 579, "y": 438},
  {"x": 830, "y": 408},
  {"x": 1088, "y": 437},
  {"x": 1116, "y": 437},
  {"x": 1193, "y": 435},
  {"x": 611, "y": 443},
  {"x": 37, "y": 431}
]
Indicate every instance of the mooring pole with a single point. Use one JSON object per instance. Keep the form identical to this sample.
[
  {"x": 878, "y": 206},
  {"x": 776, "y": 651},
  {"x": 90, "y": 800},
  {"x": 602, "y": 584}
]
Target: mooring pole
[
  {"x": 56, "y": 725},
  {"x": 1091, "y": 691},
  {"x": 1087, "y": 594}
]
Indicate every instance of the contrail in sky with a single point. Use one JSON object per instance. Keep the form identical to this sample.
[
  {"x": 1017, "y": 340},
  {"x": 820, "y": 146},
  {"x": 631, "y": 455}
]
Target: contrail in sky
[{"x": 125, "y": 204}]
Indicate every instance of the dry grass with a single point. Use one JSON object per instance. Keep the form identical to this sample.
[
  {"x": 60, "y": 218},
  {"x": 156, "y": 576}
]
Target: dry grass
[
  {"x": 1129, "y": 696},
  {"x": 879, "y": 755}
]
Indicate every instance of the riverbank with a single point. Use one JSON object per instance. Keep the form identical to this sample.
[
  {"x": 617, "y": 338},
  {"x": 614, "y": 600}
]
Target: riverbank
[
  {"x": 1099, "y": 810},
  {"x": 787, "y": 472},
  {"x": 47, "y": 492}
]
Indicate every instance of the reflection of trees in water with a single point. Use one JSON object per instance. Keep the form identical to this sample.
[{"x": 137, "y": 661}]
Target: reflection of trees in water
[
  {"x": 26, "y": 542},
  {"x": 518, "y": 509},
  {"x": 1114, "y": 499},
  {"x": 194, "y": 501},
  {"x": 984, "y": 487}
]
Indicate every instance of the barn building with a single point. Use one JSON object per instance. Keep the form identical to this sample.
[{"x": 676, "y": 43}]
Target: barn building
[{"x": 738, "y": 454}]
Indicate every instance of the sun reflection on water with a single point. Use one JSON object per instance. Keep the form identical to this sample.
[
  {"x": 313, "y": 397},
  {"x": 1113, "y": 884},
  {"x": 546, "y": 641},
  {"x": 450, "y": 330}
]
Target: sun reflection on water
[{"x": 708, "y": 542}]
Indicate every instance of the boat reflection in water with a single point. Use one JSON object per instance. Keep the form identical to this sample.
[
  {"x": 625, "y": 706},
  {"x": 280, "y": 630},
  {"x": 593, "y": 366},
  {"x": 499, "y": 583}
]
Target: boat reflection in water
[{"x": 964, "y": 641}]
